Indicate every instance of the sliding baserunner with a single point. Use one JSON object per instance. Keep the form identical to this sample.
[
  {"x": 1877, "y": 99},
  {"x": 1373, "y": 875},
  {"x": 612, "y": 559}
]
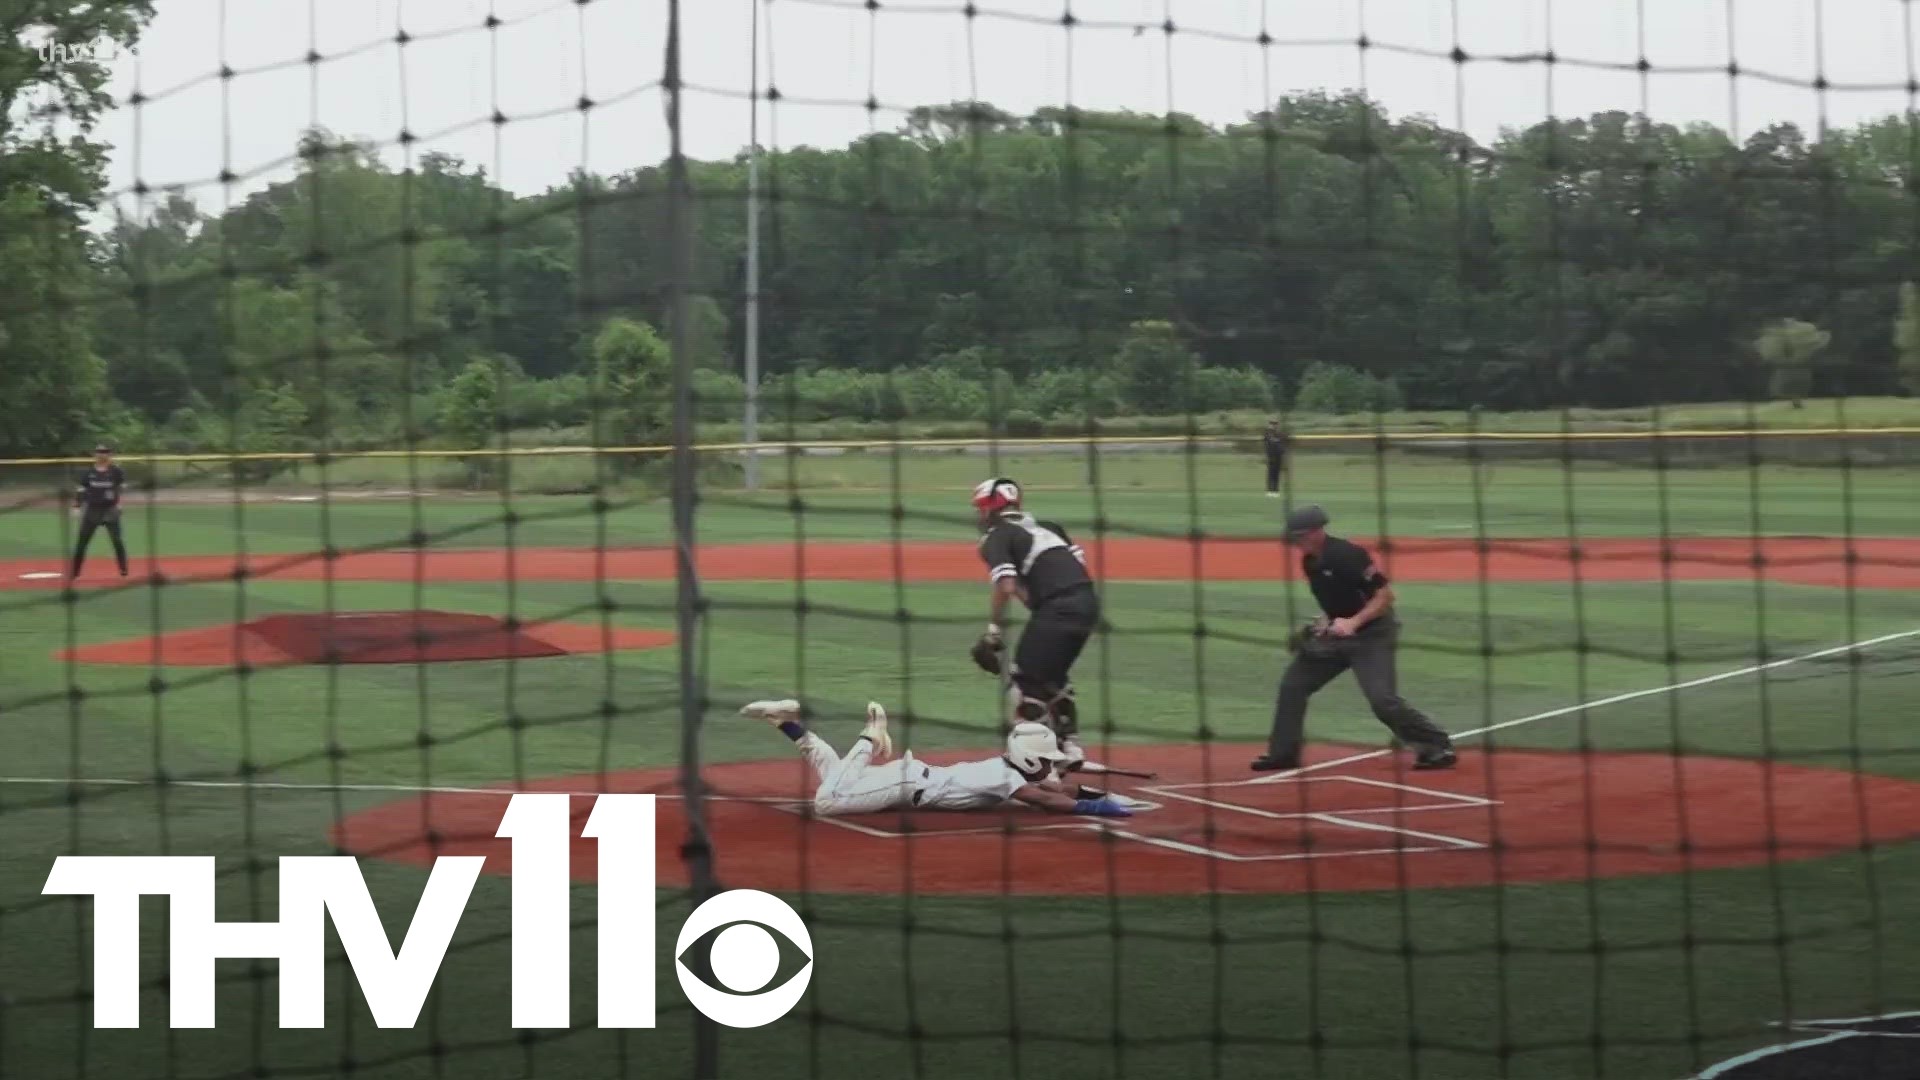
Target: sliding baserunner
[{"x": 863, "y": 781}]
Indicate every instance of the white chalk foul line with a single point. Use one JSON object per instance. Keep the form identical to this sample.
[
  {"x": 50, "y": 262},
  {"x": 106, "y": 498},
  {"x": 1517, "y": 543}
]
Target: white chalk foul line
[{"x": 1552, "y": 714}]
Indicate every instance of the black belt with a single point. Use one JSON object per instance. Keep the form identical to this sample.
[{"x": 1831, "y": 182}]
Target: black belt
[{"x": 917, "y": 792}]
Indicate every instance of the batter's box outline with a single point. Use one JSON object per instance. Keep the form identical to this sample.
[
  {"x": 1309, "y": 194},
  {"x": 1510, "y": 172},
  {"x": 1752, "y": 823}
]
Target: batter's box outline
[
  {"x": 1431, "y": 843},
  {"x": 1447, "y": 800}
]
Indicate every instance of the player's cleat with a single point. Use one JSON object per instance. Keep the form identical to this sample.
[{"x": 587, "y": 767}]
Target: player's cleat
[
  {"x": 876, "y": 732},
  {"x": 1441, "y": 758},
  {"x": 1269, "y": 763},
  {"x": 778, "y": 712}
]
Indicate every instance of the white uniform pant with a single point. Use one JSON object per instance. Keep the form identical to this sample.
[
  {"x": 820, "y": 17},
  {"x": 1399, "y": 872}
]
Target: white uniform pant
[{"x": 853, "y": 785}]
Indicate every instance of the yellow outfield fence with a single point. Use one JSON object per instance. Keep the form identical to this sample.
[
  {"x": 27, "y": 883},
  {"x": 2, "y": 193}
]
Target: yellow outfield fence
[{"x": 803, "y": 445}]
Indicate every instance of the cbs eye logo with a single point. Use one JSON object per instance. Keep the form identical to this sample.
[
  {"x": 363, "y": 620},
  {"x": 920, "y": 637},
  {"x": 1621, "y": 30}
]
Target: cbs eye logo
[{"x": 738, "y": 933}]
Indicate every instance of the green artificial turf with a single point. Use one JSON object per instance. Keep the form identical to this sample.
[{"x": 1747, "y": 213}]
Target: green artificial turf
[
  {"x": 856, "y": 496},
  {"x": 1644, "y": 978}
]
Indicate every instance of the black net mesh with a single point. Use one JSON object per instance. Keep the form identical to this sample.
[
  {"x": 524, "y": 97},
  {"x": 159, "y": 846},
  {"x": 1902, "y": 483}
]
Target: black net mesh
[{"x": 505, "y": 396}]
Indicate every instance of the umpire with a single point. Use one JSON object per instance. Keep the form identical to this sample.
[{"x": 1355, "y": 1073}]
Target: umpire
[
  {"x": 1359, "y": 631},
  {"x": 98, "y": 498}
]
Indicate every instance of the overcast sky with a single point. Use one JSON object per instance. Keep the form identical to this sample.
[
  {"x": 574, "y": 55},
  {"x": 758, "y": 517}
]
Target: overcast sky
[{"x": 549, "y": 53}]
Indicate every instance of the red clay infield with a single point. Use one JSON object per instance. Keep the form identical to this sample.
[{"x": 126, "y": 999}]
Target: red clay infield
[
  {"x": 1504, "y": 816},
  {"x": 1878, "y": 562},
  {"x": 365, "y": 637}
]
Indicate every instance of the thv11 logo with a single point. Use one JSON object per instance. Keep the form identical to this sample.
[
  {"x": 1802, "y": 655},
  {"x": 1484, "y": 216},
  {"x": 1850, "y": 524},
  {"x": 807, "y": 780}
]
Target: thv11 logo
[
  {"x": 80, "y": 52},
  {"x": 395, "y": 984}
]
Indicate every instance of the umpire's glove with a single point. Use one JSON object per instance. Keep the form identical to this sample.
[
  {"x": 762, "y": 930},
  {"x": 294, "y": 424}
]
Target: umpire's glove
[{"x": 1312, "y": 639}]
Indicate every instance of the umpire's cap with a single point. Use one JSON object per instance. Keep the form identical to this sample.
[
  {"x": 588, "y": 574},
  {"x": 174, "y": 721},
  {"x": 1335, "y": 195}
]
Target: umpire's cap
[
  {"x": 102, "y": 448},
  {"x": 1305, "y": 519}
]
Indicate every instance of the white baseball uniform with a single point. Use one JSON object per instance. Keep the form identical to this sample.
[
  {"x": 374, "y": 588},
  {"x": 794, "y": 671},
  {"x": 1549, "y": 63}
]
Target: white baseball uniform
[{"x": 852, "y": 785}]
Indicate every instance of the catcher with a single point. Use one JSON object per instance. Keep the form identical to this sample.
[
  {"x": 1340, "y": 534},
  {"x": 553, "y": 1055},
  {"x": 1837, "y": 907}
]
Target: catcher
[
  {"x": 1359, "y": 630},
  {"x": 1037, "y": 562},
  {"x": 98, "y": 497}
]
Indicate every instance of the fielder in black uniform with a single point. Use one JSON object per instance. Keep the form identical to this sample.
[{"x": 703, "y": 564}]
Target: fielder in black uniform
[
  {"x": 1040, "y": 564},
  {"x": 1275, "y": 443},
  {"x": 1359, "y": 631},
  {"x": 98, "y": 498}
]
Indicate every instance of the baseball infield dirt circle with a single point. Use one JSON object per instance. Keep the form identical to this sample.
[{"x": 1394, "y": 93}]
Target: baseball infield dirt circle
[{"x": 1508, "y": 816}]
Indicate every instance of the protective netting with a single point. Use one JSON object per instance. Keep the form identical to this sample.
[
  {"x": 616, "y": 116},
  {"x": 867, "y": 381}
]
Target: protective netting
[{"x": 433, "y": 339}]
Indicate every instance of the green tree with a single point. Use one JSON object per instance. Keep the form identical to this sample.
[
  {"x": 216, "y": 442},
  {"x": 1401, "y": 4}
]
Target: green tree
[
  {"x": 1789, "y": 348},
  {"x": 471, "y": 411},
  {"x": 1599, "y": 260},
  {"x": 1339, "y": 390},
  {"x": 633, "y": 373},
  {"x": 1906, "y": 338},
  {"x": 1154, "y": 369},
  {"x": 53, "y": 385}
]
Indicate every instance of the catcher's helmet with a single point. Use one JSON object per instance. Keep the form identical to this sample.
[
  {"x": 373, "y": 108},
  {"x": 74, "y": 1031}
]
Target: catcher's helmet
[
  {"x": 1030, "y": 746},
  {"x": 996, "y": 494}
]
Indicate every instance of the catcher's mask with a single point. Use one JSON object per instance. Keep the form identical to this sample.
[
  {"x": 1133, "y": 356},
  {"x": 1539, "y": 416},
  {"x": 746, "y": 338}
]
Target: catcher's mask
[{"x": 992, "y": 496}]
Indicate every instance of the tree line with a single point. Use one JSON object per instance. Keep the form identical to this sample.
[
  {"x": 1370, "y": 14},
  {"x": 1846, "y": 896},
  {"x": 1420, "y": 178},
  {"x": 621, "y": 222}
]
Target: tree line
[{"x": 970, "y": 264}]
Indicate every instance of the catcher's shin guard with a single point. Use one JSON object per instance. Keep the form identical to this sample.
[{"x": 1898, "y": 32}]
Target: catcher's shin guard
[
  {"x": 1063, "y": 713},
  {"x": 1054, "y": 708},
  {"x": 1022, "y": 707}
]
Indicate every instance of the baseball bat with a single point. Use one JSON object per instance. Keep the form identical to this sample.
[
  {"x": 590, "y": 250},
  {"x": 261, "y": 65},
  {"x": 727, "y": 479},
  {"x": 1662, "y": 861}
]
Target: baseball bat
[{"x": 1095, "y": 767}]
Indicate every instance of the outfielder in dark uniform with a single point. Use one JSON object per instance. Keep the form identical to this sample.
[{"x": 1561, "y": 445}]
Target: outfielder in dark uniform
[
  {"x": 1359, "y": 631},
  {"x": 1037, "y": 562},
  {"x": 1275, "y": 444},
  {"x": 98, "y": 498}
]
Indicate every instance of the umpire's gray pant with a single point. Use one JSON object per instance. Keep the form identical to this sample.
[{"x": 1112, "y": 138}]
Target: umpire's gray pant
[{"x": 1370, "y": 653}]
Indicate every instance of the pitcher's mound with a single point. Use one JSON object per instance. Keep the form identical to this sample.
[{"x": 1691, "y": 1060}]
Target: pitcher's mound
[{"x": 367, "y": 637}]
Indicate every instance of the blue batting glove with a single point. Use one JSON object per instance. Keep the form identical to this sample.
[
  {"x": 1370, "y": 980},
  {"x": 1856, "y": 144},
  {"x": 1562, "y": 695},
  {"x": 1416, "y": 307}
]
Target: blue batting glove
[{"x": 1101, "y": 808}]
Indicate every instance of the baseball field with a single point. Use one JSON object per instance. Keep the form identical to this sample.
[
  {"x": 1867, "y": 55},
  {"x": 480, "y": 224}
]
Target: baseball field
[{"x": 1686, "y": 816}]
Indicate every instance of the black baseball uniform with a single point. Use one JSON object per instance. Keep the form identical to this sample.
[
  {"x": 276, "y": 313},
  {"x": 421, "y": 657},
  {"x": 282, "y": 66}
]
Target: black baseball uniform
[
  {"x": 98, "y": 497},
  {"x": 1276, "y": 447},
  {"x": 1064, "y": 608},
  {"x": 1344, "y": 578}
]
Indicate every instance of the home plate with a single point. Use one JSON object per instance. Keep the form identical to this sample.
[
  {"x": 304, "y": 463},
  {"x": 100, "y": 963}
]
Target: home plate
[{"x": 40, "y": 575}]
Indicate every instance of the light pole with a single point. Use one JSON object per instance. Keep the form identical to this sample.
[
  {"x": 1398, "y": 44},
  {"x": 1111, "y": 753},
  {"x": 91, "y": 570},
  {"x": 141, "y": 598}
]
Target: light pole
[{"x": 750, "y": 424}]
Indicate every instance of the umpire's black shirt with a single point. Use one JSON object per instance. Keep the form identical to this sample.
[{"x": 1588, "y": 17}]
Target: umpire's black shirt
[
  {"x": 1343, "y": 577},
  {"x": 1038, "y": 554},
  {"x": 100, "y": 488}
]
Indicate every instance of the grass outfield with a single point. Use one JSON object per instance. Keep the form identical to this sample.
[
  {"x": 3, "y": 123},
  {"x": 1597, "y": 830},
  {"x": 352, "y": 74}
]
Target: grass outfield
[
  {"x": 1639, "y": 978},
  {"x": 856, "y": 496}
]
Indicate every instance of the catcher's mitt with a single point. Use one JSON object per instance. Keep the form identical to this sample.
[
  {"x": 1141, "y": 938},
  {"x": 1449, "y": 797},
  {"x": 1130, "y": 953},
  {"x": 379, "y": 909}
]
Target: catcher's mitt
[
  {"x": 1312, "y": 639},
  {"x": 987, "y": 655}
]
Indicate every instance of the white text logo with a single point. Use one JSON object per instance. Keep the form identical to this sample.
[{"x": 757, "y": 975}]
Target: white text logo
[
  {"x": 743, "y": 956},
  {"x": 85, "y": 52}
]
